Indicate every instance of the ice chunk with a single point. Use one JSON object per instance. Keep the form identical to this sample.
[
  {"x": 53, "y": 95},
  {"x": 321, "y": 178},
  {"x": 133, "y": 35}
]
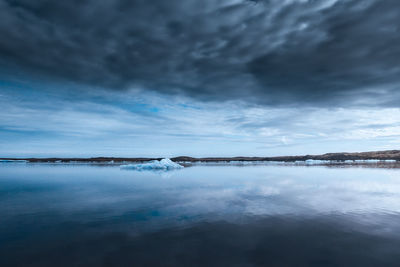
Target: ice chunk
[
  {"x": 164, "y": 164},
  {"x": 13, "y": 161}
]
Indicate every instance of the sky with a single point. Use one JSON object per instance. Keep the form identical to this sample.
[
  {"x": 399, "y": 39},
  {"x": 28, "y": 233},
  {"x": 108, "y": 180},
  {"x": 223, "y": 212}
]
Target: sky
[{"x": 136, "y": 78}]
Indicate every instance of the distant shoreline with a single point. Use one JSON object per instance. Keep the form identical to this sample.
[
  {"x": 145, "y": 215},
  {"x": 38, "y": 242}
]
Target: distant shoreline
[{"x": 388, "y": 155}]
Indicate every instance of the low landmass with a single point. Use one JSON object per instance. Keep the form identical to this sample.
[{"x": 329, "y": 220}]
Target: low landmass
[{"x": 343, "y": 156}]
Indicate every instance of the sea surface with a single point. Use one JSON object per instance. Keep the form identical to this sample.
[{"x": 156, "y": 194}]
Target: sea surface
[{"x": 101, "y": 215}]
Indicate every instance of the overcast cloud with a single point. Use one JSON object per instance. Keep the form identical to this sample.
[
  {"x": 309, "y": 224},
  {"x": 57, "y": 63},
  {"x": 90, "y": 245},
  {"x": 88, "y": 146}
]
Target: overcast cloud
[{"x": 292, "y": 52}]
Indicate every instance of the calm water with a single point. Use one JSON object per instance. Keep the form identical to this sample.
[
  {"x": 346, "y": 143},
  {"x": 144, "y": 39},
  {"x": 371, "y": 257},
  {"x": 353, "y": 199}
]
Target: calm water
[{"x": 85, "y": 215}]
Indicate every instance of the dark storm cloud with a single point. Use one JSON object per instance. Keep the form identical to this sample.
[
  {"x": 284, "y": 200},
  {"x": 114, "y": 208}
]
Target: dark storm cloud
[{"x": 271, "y": 52}]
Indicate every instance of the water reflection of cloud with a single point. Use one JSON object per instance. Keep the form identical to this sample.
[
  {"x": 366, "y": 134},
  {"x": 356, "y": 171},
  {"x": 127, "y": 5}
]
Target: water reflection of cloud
[
  {"x": 347, "y": 193},
  {"x": 211, "y": 193}
]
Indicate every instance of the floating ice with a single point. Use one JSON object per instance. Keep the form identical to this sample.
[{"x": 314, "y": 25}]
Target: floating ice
[
  {"x": 164, "y": 164},
  {"x": 13, "y": 161}
]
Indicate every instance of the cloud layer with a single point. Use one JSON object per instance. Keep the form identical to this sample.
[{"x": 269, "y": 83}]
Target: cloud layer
[
  {"x": 271, "y": 52},
  {"x": 155, "y": 125}
]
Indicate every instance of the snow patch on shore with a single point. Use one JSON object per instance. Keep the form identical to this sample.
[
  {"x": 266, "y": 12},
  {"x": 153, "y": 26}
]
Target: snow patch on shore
[
  {"x": 316, "y": 162},
  {"x": 164, "y": 164},
  {"x": 307, "y": 162}
]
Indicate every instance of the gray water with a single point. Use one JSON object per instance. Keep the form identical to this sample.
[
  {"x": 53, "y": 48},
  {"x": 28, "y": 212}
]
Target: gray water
[{"x": 88, "y": 215}]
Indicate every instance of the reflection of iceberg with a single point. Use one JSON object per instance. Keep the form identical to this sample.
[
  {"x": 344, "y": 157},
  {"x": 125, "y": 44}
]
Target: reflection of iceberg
[{"x": 164, "y": 164}]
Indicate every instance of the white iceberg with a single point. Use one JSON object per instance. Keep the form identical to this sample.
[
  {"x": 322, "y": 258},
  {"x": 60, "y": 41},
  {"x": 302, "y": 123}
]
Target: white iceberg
[{"x": 164, "y": 164}]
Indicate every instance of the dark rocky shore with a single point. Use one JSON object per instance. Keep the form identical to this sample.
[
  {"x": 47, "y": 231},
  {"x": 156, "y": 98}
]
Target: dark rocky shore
[{"x": 373, "y": 155}]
